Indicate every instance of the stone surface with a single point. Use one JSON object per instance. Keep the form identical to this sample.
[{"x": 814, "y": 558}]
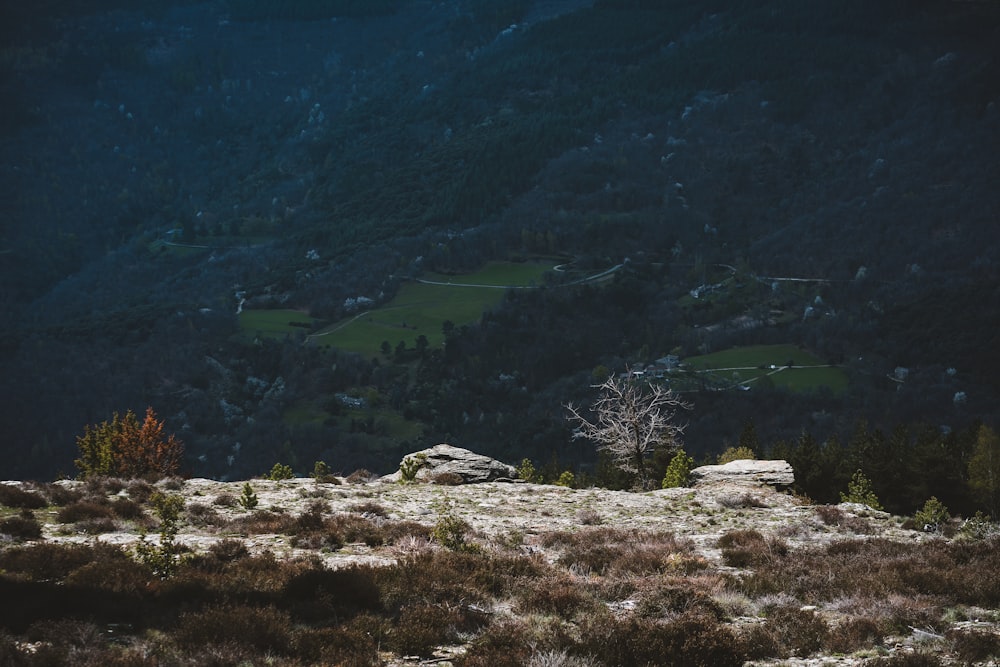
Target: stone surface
[
  {"x": 471, "y": 467},
  {"x": 745, "y": 471}
]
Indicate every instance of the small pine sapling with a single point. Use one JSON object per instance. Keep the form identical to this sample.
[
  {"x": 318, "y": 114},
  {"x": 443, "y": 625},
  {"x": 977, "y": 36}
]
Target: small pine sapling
[
  {"x": 859, "y": 490},
  {"x": 248, "y": 499}
]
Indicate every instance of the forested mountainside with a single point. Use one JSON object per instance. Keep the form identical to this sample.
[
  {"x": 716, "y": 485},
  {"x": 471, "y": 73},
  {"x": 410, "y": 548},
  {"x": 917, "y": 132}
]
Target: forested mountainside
[{"x": 223, "y": 209}]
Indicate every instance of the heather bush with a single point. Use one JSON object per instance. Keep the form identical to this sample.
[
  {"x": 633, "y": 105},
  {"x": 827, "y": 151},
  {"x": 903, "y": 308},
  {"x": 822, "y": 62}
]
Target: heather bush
[
  {"x": 321, "y": 595},
  {"x": 423, "y": 627},
  {"x": 748, "y": 548},
  {"x": 853, "y": 634},
  {"x": 670, "y": 600},
  {"x": 97, "y": 526},
  {"x": 127, "y": 509},
  {"x": 505, "y": 643},
  {"x": 446, "y": 479},
  {"x": 264, "y": 629},
  {"x": 360, "y": 476},
  {"x": 799, "y": 632},
  {"x": 14, "y": 496},
  {"x": 82, "y": 510},
  {"x": 370, "y": 508},
  {"x": 972, "y": 645},
  {"x": 349, "y": 645},
  {"x": 115, "y": 573},
  {"x": 23, "y": 526},
  {"x": 46, "y": 562},
  {"x": 741, "y": 501},
  {"x": 689, "y": 640},
  {"x": 557, "y": 595},
  {"x": 60, "y": 494}
]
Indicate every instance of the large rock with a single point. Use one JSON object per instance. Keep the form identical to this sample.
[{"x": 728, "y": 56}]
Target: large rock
[
  {"x": 745, "y": 471},
  {"x": 471, "y": 467}
]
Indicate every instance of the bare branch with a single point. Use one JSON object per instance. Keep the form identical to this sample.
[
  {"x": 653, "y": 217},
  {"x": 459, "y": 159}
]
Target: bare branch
[{"x": 631, "y": 420}]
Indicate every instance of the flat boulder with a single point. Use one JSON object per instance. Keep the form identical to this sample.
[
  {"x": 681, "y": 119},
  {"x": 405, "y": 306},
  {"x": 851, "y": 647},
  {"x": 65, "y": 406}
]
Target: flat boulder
[
  {"x": 472, "y": 468},
  {"x": 745, "y": 471}
]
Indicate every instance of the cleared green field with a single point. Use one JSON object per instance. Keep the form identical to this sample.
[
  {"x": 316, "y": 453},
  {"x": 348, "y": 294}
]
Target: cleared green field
[
  {"x": 273, "y": 323},
  {"x": 422, "y": 308},
  {"x": 783, "y": 365}
]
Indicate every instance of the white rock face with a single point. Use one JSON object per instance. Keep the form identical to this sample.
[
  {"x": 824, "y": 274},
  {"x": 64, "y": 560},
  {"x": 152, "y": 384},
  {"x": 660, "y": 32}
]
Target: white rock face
[
  {"x": 745, "y": 471},
  {"x": 471, "y": 467}
]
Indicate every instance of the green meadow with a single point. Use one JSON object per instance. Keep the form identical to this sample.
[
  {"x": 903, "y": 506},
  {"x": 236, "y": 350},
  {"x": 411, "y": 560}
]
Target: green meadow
[
  {"x": 782, "y": 365},
  {"x": 422, "y": 308},
  {"x": 273, "y": 323}
]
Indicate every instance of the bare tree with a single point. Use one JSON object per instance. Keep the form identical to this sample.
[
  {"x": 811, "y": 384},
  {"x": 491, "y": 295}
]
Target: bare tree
[{"x": 632, "y": 420}]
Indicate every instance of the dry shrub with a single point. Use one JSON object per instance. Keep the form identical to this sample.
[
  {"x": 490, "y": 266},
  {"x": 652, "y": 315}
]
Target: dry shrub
[
  {"x": 757, "y": 642},
  {"x": 265, "y": 629},
  {"x": 917, "y": 659},
  {"x": 832, "y": 515},
  {"x": 360, "y": 476},
  {"x": 354, "y": 644},
  {"x": 44, "y": 562},
  {"x": 82, "y": 510},
  {"x": 319, "y": 595},
  {"x": 369, "y": 508},
  {"x": 506, "y": 643},
  {"x": 799, "y": 632},
  {"x": 114, "y": 573},
  {"x": 558, "y": 595},
  {"x": 959, "y": 572},
  {"x": 740, "y": 501},
  {"x": 446, "y": 479},
  {"x": 23, "y": 526},
  {"x": 228, "y": 550},
  {"x": 691, "y": 640},
  {"x": 225, "y": 500},
  {"x": 589, "y": 517},
  {"x": 672, "y": 600},
  {"x": 853, "y": 634},
  {"x": 126, "y": 509},
  {"x": 974, "y": 645},
  {"x": 456, "y": 578},
  {"x": 265, "y": 522},
  {"x": 421, "y": 628},
  {"x": 60, "y": 494},
  {"x": 351, "y": 528},
  {"x": 140, "y": 490},
  {"x": 749, "y": 548},
  {"x": 611, "y": 550},
  {"x": 97, "y": 526},
  {"x": 14, "y": 496}
]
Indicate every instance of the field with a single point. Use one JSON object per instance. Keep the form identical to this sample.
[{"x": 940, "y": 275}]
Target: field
[
  {"x": 273, "y": 323},
  {"x": 781, "y": 365},
  {"x": 421, "y": 308}
]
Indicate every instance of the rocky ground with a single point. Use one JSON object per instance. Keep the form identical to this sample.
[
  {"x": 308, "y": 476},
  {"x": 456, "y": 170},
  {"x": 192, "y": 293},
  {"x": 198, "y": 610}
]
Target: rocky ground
[{"x": 504, "y": 514}]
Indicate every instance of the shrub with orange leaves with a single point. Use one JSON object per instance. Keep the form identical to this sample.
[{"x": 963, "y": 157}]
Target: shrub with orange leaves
[{"x": 125, "y": 448}]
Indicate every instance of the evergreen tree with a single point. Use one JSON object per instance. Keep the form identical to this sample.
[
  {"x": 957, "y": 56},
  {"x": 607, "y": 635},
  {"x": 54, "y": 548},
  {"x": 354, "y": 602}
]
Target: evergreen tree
[{"x": 984, "y": 470}]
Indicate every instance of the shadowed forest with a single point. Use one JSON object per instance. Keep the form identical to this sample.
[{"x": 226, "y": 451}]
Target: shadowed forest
[{"x": 224, "y": 210}]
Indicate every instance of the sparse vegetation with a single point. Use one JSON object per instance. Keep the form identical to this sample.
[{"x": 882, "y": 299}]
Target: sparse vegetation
[{"x": 593, "y": 593}]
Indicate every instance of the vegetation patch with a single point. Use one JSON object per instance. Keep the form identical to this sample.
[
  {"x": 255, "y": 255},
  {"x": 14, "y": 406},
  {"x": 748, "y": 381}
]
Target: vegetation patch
[
  {"x": 278, "y": 324},
  {"x": 786, "y": 366},
  {"x": 422, "y": 308}
]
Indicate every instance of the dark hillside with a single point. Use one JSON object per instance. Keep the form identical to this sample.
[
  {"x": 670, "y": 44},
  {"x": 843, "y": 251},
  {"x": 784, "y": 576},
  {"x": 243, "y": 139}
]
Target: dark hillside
[{"x": 708, "y": 176}]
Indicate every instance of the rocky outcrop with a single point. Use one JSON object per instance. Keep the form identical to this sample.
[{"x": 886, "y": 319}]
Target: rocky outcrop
[
  {"x": 745, "y": 471},
  {"x": 472, "y": 468}
]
